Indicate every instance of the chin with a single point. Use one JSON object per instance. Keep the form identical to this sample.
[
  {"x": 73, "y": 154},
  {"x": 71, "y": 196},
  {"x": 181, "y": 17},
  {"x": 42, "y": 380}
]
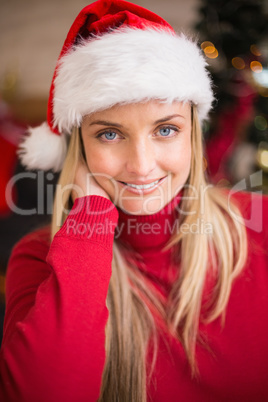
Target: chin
[{"x": 147, "y": 206}]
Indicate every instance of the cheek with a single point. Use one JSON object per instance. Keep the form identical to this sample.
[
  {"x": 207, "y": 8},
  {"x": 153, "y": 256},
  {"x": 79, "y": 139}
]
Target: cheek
[
  {"x": 178, "y": 159},
  {"x": 99, "y": 161}
]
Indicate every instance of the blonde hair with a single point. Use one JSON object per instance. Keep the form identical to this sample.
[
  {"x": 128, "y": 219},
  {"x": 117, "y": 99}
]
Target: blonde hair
[{"x": 132, "y": 303}]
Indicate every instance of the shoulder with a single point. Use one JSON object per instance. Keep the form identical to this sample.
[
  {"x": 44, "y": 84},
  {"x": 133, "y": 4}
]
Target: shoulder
[
  {"x": 41, "y": 235},
  {"x": 27, "y": 269},
  {"x": 28, "y": 260},
  {"x": 35, "y": 244},
  {"x": 250, "y": 210},
  {"x": 253, "y": 208}
]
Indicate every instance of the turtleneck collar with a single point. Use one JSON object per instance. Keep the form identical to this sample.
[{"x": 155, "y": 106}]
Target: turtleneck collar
[{"x": 143, "y": 232}]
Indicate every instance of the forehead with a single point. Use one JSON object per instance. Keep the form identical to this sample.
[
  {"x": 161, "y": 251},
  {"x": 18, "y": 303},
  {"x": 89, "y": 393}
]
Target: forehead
[{"x": 149, "y": 110}]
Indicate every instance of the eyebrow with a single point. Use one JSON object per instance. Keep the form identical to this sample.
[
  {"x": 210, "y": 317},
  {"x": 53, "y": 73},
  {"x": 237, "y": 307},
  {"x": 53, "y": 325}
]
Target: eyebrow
[{"x": 110, "y": 123}]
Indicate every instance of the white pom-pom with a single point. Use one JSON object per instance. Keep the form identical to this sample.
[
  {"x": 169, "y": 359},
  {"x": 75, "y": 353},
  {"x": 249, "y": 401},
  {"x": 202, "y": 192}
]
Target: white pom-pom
[{"x": 42, "y": 149}]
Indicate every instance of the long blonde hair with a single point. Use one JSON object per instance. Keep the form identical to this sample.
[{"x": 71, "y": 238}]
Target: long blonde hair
[{"x": 132, "y": 303}]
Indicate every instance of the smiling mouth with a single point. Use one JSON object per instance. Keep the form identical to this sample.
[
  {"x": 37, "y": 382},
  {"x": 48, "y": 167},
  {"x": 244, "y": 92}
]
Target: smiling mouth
[{"x": 142, "y": 186}]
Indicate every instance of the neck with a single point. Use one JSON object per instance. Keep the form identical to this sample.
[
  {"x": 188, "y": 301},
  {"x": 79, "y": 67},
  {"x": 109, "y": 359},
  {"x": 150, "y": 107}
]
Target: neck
[{"x": 148, "y": 231}]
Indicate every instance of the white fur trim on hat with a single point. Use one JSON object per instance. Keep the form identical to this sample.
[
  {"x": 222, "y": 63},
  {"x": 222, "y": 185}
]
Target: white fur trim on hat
[
  {"x": 42, "y": 149},
  {"x": 126, "y": 66}
]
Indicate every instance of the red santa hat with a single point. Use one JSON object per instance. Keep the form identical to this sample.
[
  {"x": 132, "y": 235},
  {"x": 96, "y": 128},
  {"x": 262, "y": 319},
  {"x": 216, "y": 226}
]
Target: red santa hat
[{"x": 116, "y": 52}]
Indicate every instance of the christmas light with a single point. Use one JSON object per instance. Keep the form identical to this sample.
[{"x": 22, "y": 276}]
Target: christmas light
[
  {"x": 238, "y": 63},
  {"x": 254, "y": 50},
  {"x": 209, "y": 50},
  {"x": 261, "y": 77},
  {"x": 256, "y": 66},
  {"x": 263, "y": 159},
  {"x": 206, "y": 44},
  {"x": 260, "y": 123}
]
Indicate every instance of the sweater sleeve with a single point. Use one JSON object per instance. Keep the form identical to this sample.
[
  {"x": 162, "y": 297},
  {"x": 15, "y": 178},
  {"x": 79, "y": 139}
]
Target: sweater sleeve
[{"x": 54, "y": 333}]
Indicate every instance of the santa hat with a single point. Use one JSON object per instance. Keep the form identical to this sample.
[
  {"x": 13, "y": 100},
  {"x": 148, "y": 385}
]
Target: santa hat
[{"x": 115, "y": 53}]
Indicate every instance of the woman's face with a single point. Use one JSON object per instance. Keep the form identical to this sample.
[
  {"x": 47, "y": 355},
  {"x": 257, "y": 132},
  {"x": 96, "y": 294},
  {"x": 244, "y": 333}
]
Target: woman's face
[{"x": 139, "y": 153}]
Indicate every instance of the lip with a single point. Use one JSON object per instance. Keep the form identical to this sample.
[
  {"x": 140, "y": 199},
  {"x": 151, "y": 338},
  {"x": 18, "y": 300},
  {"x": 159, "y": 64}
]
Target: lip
[{"x": 140, "y": 183}]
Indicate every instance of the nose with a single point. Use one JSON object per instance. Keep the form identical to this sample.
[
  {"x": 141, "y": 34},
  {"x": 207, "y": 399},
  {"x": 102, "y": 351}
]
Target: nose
[{"x": 141, "y": 158}]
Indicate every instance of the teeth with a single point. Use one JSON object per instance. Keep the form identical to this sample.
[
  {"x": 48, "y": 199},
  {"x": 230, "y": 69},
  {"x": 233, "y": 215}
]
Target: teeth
[{"x": 143, "y": 186}]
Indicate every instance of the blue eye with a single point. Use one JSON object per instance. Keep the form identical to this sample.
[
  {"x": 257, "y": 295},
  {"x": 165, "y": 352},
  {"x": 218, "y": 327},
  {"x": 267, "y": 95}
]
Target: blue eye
[
  {"x": 165, "y": 131},
  {"x": 109, "y": 135}
]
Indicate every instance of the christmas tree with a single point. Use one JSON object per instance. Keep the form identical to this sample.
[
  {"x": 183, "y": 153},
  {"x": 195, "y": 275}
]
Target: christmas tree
[{"x": 234, "y": 38}]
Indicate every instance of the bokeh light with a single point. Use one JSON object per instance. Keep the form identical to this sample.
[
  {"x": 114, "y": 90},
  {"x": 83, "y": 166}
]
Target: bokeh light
[
  {"x": 255, "y": 50},
  {"x": 263, "y": 159},
  {"x": 260, "y": 123},
  {"x": 206, "y": 44},
  {"x": 238, "y": 63},
  {"x": 256, "y": 66},
  {"x": 209, "y": 50}
]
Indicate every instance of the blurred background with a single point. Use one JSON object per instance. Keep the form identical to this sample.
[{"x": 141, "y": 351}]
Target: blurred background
[{"x": 233, "y": 34}]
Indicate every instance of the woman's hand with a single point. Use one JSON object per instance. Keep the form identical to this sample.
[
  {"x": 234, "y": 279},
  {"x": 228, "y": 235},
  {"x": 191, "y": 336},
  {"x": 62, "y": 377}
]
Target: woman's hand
[{"x": 85, "y": 184}]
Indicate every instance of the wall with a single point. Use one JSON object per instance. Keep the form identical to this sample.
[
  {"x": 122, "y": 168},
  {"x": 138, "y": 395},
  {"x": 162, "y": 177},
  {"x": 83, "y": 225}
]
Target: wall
[{"x": 32, "y": 33}]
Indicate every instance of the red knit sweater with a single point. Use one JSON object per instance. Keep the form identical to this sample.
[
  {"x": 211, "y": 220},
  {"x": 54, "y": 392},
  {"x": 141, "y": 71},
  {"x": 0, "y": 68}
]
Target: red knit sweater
[{"x": 54, "y": 331}]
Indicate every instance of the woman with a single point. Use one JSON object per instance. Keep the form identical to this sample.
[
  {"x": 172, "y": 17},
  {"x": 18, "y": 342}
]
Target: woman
[{"x": 147, "y": 289}]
